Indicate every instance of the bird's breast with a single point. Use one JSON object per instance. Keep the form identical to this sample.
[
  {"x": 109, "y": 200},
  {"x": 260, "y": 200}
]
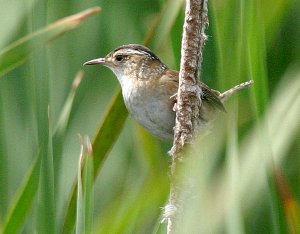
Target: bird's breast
[{"x": 151, "y": 106}]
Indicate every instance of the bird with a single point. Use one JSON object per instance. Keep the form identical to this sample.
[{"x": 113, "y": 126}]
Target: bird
[{"x": 149, "y": 87}]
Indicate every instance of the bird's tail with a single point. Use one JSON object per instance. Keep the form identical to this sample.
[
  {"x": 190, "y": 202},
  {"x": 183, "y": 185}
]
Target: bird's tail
[{"x": 224, "y": 96}]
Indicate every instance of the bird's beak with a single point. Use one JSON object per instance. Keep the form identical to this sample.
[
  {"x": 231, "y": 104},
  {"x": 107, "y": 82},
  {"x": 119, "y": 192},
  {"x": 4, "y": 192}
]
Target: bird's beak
[{"x": 95, "y": 61}]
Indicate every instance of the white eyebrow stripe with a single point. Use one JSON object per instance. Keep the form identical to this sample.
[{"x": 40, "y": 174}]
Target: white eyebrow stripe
[
  {"x": 138, "y": 52},
  {"x": 129, "y": 51}
]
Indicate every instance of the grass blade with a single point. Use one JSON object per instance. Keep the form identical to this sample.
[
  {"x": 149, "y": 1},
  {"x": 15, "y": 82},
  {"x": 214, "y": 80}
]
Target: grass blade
[
  {"x": 22, "y": 203},
  {"x": 85, "y": 188},
  {"x": 66, "y": 110},
  {"x": 62, "y": 125},
  {"x": 46, "y": 193},
  {"x": 102, "y": 144},
  {"x": 88, "y": 191},
  {"x": 105, "y": 138},
  {"x": 17, "y": 53},
  {"x": 3, "y": 165}
]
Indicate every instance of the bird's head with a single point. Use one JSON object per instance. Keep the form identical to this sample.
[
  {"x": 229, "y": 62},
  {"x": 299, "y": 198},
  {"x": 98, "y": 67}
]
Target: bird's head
[{"x": 132, "y": 61}]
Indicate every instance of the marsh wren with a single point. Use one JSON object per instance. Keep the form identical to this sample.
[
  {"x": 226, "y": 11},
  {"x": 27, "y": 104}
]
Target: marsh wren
[{"x": 149, "y": 87}]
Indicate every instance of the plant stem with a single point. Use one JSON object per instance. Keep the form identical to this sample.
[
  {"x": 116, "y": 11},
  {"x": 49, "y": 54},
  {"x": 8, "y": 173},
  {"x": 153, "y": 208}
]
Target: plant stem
[{"x": 188, "y": 97}]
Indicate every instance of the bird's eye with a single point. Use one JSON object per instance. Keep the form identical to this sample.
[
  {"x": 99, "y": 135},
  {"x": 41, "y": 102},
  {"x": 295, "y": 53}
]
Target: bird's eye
[{"x": 119, "y": 57}]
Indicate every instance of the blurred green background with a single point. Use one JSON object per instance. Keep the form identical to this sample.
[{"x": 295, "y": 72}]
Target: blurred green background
[{"x": 256, "y": 40}]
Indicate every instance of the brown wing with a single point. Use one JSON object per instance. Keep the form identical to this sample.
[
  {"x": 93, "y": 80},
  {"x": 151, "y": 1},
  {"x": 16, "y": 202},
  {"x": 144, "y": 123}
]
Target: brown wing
[
  {"x": 212, "y": 97},
  {"x": 209, "y": 95}
]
